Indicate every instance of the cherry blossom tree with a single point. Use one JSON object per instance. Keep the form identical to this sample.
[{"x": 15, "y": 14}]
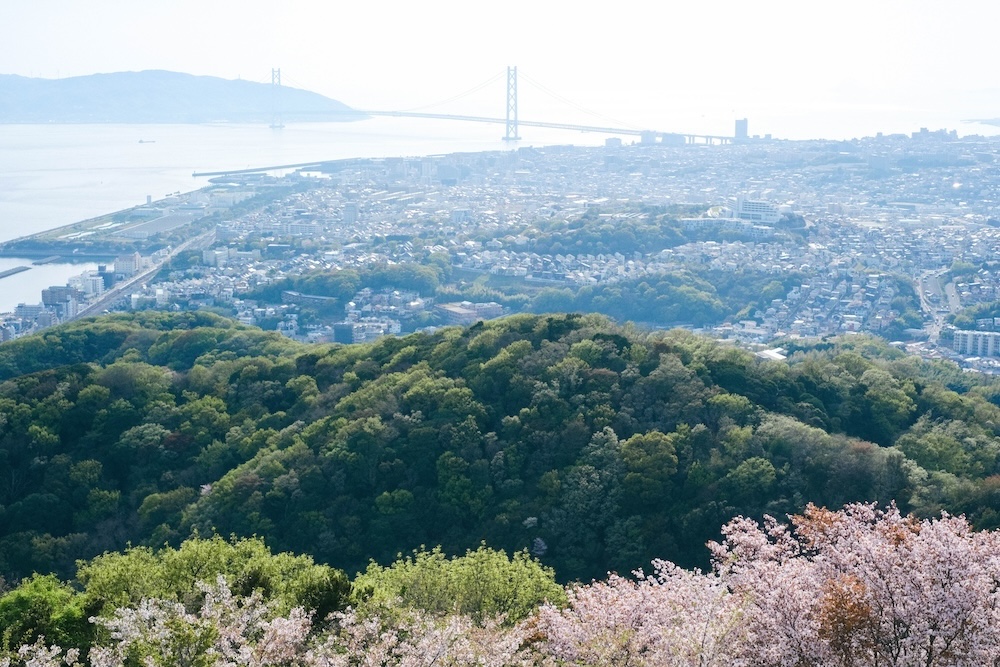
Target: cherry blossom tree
[
  {"x": 672, "y": 617},
  {"x": 417, "y": 639},
  {"x": 227, "y": 631},
  {"x": 40, "y": 654},
  {"x": 865, "y": 586}
]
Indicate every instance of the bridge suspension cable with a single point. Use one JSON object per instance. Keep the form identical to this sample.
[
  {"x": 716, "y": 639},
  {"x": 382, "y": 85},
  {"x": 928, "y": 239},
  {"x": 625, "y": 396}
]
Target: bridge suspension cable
[
  {"x": 297, "y": 84},
  {"x": 548, "y": 91},
  {"x": 454, "y": 98}
]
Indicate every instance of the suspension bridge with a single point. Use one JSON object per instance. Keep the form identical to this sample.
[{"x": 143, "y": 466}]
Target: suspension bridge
[{"x": 511, "y": 122}]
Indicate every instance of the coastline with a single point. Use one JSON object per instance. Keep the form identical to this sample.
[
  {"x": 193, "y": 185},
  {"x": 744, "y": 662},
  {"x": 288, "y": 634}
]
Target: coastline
[{"x": 70, "y": 226}]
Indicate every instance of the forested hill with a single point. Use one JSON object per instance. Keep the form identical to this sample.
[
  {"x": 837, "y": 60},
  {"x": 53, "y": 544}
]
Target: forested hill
[
  {"x": 156, "y": 96},
  {"x": 596, "y": 447}
]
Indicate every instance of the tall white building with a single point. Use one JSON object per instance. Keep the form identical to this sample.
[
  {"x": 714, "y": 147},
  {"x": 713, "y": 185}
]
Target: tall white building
[
  {"x": 350, "y": 213},
  {"x": 88, "y": 282},
  {"x": 128, "y": 265},
  {"x": 742, "y": 128},
  {"x": 978, "y": 343},
  {"x": 757, "y": 211}
]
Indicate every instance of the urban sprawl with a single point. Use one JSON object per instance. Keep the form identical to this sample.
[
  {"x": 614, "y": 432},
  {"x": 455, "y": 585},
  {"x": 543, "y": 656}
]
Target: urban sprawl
[{"x": 894, "y": 235}]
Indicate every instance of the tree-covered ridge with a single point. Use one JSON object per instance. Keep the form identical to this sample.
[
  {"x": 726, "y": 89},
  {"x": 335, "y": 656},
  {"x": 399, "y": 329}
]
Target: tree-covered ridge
[
  {"x": 694, "y": 295},
  {"x": 595, "y": 447},
  {"x": 106, "y": 339},
  {"x": 593, "y": 234}
]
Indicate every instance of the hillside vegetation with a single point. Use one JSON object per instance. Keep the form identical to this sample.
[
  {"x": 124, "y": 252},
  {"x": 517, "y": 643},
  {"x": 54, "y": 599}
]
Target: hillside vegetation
[
  {"x": 593, "y": 446},
  {"x": 860, "y": 586}
]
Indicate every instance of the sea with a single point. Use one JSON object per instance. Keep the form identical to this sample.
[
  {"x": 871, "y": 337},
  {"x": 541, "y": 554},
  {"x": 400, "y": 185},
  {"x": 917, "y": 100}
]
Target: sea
[{"x": 54, "y": 175}]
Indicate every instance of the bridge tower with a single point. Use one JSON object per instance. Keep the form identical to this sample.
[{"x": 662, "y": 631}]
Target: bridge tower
[
  {"x": 512, "y": 130},
  {"x": 276, "y": 99}
]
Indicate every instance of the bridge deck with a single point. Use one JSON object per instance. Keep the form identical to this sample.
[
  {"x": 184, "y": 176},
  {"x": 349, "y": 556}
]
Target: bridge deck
[{"x": 691, "y": 138}]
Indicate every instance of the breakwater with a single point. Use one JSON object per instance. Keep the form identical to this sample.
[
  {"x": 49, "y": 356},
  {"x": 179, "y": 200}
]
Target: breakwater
[{"x": 15, "y": 270}]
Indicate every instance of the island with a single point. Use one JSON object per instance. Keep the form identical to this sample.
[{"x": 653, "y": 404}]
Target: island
[{"x": 158, "y": 96}]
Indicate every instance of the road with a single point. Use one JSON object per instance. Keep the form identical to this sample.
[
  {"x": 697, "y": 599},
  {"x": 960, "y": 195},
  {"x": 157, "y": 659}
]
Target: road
[
  {"x": 111, "y": 296},
  {"x": 929, "y": 287},
  {"x": 954, "y": 303}
]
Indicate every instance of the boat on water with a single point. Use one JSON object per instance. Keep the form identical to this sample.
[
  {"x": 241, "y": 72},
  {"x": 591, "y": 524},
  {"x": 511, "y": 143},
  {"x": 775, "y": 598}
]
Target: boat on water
[{"x": 147, "y": 141}]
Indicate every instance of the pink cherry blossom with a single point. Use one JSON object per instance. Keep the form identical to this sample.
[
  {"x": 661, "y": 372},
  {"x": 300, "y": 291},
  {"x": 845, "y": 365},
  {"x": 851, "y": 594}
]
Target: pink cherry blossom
[{"x": 861, "y": 586}]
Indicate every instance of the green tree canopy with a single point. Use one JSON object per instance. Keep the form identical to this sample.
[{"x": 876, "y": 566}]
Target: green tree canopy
[{"x": 484, "y": 583}]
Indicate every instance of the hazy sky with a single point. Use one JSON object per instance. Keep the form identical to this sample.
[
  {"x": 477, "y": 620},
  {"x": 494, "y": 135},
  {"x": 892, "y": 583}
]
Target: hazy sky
[{"x": 651, "y": 64}]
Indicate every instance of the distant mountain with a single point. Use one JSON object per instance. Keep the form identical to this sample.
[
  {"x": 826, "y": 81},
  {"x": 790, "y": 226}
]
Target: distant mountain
[{"x": 157, "y": 96}]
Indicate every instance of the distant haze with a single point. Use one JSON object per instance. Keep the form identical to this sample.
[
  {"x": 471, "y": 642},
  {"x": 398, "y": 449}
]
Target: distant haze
[{"x": 793, "y": 68}]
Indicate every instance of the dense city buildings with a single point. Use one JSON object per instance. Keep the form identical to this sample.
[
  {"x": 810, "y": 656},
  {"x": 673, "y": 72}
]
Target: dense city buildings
[{"x": 887, "y": 235}]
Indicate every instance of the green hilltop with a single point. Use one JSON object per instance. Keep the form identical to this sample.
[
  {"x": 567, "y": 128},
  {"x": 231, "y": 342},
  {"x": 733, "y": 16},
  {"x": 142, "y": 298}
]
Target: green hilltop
[{"x": 595, "y": 447}]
